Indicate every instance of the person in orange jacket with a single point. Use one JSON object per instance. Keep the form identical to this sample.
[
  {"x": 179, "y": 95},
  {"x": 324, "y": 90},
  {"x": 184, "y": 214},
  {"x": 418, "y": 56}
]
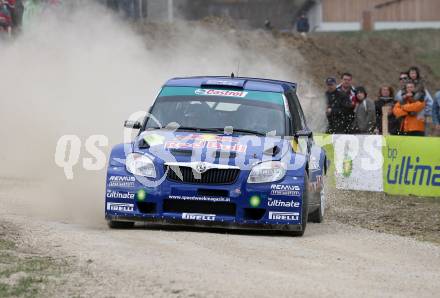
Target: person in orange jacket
[{"x": 412, "y": 124}]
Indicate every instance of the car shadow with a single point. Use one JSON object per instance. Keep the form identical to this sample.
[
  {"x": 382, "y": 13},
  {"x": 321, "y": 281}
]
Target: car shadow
[{"x": 223, "y": 231}]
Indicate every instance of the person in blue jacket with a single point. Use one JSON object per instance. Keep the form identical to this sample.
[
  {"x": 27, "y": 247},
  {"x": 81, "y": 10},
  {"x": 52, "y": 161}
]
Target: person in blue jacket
[{"x": 302, "y": 25}]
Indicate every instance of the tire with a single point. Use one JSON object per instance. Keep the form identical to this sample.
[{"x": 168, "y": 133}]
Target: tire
[
  {"x": 317, "y": 216},
  {"x": 305, "y": 209},
  {"x": 120, "y": 224}
]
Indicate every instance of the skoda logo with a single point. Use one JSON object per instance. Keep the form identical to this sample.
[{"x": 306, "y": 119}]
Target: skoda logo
[{"x": 201, "y": 167}]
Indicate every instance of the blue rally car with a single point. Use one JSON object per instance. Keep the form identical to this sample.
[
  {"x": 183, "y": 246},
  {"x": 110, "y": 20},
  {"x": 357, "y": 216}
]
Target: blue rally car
[{"x": 219, "y": 152}]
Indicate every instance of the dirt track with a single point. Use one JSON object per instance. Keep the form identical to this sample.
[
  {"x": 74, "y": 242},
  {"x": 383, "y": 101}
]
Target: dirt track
[
  {"x": 331, "y": 260},
  {"x": 37, "y": 219}
]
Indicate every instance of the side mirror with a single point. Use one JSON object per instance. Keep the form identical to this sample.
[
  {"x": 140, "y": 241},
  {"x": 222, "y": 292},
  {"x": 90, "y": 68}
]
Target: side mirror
[{"x": 132, "y": 124}]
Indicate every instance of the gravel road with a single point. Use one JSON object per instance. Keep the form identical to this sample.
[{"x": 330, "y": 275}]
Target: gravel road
[
  {"x": 63, "y": 220},
  {"x": 331, "y": 260}
]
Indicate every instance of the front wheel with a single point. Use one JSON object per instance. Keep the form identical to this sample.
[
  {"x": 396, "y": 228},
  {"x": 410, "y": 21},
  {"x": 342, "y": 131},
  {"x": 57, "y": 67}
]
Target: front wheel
[
  {"x": 317, "y": 216},
  {"x": 120, "y": 224}
]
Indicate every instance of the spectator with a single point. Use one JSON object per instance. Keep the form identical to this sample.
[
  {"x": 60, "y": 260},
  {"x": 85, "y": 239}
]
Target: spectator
[
  {"x": 436, "y": 114},
  {"x": 419, "y": 83},
  {"x": 429, "y": 101},
  {"x": 338, "y": 108},
  {"x": 127, "y": 7},
  {"x": 412, "y": 125},
  {"x": 365, "y": 113},
  {"x": 403, "y": 79},
  {"x": 10, "y": 4},
  {"x": 421, "y": 93},
  {"x": 346, "y": 87},
  {"x": 113, "y": 4},
  {"x": 268, "y": 25},
  {"x": 5, "y": 17},
  {"x": 302, "y": 25},
  {"x": 53, "y": 2},
  {"x": 384, "y": 104},
  {"x": 17, "y": 10},
  {"x": 137, "y": 11}
]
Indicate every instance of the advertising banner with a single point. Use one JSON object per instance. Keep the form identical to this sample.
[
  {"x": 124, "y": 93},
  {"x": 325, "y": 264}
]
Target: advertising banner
[
  {"x": 358, "y": 162},
  {"x": 412, "y": 166}
]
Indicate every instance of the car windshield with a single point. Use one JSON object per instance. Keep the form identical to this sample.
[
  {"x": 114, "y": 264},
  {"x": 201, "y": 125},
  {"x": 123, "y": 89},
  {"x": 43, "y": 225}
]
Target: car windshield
[{"x": 198, "y": 111}]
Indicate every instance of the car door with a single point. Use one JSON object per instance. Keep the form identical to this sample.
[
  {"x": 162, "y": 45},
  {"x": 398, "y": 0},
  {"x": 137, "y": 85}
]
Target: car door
[{"x": 302, "y": 134}]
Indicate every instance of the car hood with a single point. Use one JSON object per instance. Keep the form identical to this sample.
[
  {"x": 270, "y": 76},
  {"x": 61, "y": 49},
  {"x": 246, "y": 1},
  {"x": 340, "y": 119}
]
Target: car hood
[{"x": 239, "y": 150}]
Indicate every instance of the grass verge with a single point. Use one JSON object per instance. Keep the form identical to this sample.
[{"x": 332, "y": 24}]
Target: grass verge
[{"x": 25, "y": 274}]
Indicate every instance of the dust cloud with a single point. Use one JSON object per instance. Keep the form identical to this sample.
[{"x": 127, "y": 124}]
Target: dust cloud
[{"x": 83, "y": 72}]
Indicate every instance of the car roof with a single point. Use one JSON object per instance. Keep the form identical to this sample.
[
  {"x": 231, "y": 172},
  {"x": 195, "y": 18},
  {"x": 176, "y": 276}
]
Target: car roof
[{"x": 241, "y": 83}]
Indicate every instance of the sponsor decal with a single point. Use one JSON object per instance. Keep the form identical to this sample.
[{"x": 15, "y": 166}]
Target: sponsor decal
[
  {"x": 358, "y": 162},
  {"x": 206, "y": 144},
  {"x": 141, "y": 195},
  {"x": 111, "y": 194},
  {"x": 285, "y": 190},
  {"x": 154, "y": 139},
  {"x": 200, "y": 198},
  {"x": 280, "y": 203},
  {"x": 121, "y": 181},
  {"x": 198, "y": 216},
  {"x": 255, "y": 201},
  {"x": 122, "y": 207},
  {"x": 226, "y": 147},
  {"x": 215, "y": 92},
  {"x": 287, "y": 216},
  {"x": 272, "y": 97},
  {"x": 412, "y": 166},
  {"x": 413, "y": 172},
  {"x": 347, "y": 165},
  {"x": 207, "y": 137}
]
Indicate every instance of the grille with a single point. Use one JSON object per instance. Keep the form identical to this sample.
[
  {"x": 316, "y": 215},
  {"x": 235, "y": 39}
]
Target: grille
[
  {"x": 146, "y": 207},
  {"x": 212, "y": 176}
]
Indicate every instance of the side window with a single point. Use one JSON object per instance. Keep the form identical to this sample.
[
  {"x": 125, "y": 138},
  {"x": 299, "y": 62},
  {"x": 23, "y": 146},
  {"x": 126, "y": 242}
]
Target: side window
[
  {"x": 300, "y": 111},
  {"x": 295, "y": 112}
]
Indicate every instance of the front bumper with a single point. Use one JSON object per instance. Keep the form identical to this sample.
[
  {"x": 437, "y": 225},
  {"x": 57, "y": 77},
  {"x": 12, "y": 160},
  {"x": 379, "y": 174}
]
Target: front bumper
[
  {"x": 216, "y": 224},
  {"x": 273, "y": 206}
]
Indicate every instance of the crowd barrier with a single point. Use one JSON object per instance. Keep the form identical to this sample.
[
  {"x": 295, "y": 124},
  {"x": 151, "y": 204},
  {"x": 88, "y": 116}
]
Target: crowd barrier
[{"x": 396, "y": 165}]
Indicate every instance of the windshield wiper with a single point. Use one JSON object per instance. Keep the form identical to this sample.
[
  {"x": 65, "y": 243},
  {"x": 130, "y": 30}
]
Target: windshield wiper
[
  {"x": 222, "y": 130},
  {"x": 194, "y": 128},
  {"x": 248, "y": 131},
  {"x": 178, "y": 128}
]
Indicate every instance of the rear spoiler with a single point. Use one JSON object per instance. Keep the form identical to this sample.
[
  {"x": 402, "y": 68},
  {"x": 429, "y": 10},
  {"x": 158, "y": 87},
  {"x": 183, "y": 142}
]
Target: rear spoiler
[{"x": 237, "y": 83}]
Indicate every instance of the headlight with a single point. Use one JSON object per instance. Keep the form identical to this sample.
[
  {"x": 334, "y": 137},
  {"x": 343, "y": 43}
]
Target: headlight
[
  {"x": 269, "y": 171},
  {"x": 140, "y": 165}
]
